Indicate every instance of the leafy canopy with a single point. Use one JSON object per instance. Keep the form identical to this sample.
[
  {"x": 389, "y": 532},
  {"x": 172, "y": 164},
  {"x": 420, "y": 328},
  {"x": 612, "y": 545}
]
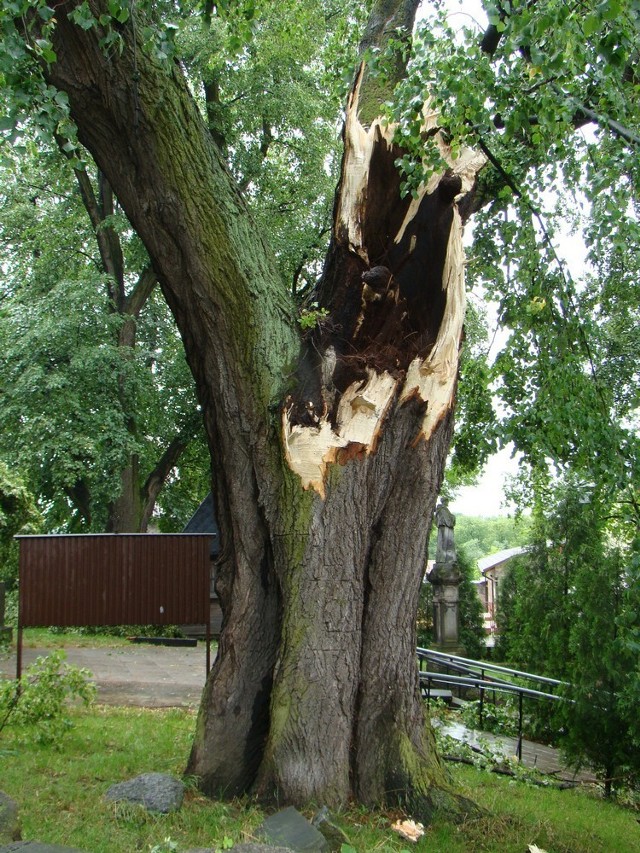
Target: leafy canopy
[
  {"x": 549, "y": 92},
  {"x": 77, "y": 403},
  {"x": 270, "y": 82}
]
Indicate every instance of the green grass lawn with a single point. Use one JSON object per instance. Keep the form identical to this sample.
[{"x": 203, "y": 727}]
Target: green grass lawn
[
  {"x": 45, "y": 638},
  {"x": 60, "y": 792}
]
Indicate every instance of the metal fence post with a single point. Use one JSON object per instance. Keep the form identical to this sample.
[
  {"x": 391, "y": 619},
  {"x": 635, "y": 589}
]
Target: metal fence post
[{"x": 519, "y": 747}]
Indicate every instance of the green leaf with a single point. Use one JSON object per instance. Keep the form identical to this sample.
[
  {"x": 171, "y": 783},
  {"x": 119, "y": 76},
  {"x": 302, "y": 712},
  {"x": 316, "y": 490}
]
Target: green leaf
[
  {"x": 591, "y": 25},
  {"x": 83, "y": 17},
  {"x": 611, "y": 9},
  {"x": 45, "y": 12}
]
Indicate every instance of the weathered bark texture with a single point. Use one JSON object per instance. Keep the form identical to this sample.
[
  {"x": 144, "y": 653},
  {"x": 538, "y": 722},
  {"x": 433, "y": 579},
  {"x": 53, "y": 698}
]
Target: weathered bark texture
[
  {"x": 328, "y": 452},
  {"x": 367, "y": 429}
]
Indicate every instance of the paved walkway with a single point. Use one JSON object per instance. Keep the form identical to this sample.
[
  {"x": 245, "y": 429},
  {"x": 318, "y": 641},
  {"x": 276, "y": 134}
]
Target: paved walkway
[
  {"x": 535, "y": 755},
  {"x": 150, "y": 676},
  {"x": 146, "y": 676}
]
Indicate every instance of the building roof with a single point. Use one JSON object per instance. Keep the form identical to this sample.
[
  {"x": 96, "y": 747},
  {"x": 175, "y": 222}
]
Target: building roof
[
  {"x": 486, "y": 563},
  {"x": 204, "y": 521}
]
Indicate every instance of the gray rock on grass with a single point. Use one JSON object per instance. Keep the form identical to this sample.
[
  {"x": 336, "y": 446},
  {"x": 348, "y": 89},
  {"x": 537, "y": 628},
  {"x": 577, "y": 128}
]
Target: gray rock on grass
[
  {"x": 291, "y": 829},
  {"x": 334, "y": 835},
  {"x": 245, "y": 847},
  {"x": 252, "y": 847},
  {"x": 157, "y": 792}
]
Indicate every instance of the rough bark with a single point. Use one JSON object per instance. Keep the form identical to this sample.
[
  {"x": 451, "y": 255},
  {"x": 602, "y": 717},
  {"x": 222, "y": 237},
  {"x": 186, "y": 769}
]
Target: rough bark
[
  {"x": 328, "y": 456},
  {"x": 125, "y": 512},
  {"x": 367, "y": 429}
]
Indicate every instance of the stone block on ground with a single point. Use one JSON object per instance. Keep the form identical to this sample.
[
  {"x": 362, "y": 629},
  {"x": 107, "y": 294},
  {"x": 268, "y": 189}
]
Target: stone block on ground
[
  {"x": 335, "y": 836},
  {"x": 157, "y": 792},
  {"x": 289, "y": 828},
  {"x": 252, "y": 847},
  {"x": 9, "y": 821}
]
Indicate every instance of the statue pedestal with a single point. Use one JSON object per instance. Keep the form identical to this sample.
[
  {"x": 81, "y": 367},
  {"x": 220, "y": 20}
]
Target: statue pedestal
[{"x": 445, "y": 579}]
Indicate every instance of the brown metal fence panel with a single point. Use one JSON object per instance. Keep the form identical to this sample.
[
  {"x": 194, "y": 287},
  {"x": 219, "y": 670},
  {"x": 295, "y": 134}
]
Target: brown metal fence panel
[{"x": 114, "y": 579}]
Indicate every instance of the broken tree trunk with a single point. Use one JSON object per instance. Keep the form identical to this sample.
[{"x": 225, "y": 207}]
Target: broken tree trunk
[{"x": 367, "y": 432}]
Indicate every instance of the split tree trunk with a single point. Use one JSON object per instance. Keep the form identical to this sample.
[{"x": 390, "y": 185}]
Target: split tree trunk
[{"x": 328, "y": 453}]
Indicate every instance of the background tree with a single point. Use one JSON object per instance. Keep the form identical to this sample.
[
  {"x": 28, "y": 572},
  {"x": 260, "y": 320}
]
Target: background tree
[
  {"x": 272, "y": 81},
  {"x": 480, "y": 536},
  {"x": 329, "y": 450},
  {"x": 98, "y": 404},
  {"x": 18, "y": 514},
  {"x": 562, "y": 613},
  {"x": 124, "y": 411}
]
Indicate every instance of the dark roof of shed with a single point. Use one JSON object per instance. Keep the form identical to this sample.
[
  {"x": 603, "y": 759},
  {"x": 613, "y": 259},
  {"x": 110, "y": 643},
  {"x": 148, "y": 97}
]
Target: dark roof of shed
[{"x": 204, "y": 521}]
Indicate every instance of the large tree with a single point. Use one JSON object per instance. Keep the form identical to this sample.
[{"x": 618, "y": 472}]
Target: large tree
[
  {"x": 98, "y": 404},
  {"x": 328, "y": 447}
]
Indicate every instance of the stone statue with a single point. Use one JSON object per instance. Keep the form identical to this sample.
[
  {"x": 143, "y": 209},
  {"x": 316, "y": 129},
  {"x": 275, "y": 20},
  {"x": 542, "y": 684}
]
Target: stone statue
[
  {"x": 445, "y": 522},
  {"x": 445, "y": 577}
]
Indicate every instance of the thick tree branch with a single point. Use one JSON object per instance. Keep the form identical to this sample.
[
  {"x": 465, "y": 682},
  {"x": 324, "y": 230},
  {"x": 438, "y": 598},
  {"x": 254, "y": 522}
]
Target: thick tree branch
[
  {"x": 141, "y": 292},
  {"x": 80, "y": 496},
  {"x": 493, "y": 34},
  {"x": 584, "y": 115},
  {"x": 111, "y": 236},
  {"x": 319, "y": 241},
  {"x": 106, "y": 237},
  {"x": 214, "y": 108},
  {"x": 266, "y": 139},
  {"x": 169, "y": 459},
  {"x": 388, "y": 19}
]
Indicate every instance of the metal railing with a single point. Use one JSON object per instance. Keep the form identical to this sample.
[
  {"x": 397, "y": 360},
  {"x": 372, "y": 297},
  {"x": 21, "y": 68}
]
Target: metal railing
[{"x": 468, "y": 673}]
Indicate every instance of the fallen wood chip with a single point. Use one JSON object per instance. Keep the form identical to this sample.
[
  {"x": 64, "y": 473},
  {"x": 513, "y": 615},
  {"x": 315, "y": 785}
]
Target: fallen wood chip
[{"x": 408, "y": 829}]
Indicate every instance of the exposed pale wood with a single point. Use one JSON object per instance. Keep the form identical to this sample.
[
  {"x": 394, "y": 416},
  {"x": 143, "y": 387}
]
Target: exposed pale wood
[
  {"x": 310, "y": 449},
  {"x": 359, "y": 143},
  {"x": 434, "y": 379},
  {"x": 361, "y": 412}
]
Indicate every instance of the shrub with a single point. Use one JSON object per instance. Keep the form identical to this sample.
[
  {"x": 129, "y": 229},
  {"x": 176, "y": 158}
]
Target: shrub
[{"x": 35, "y": 706}]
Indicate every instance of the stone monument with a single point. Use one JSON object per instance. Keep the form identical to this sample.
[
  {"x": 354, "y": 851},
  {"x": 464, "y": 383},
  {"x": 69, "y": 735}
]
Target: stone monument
[{"x": 445, "y": 578}]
